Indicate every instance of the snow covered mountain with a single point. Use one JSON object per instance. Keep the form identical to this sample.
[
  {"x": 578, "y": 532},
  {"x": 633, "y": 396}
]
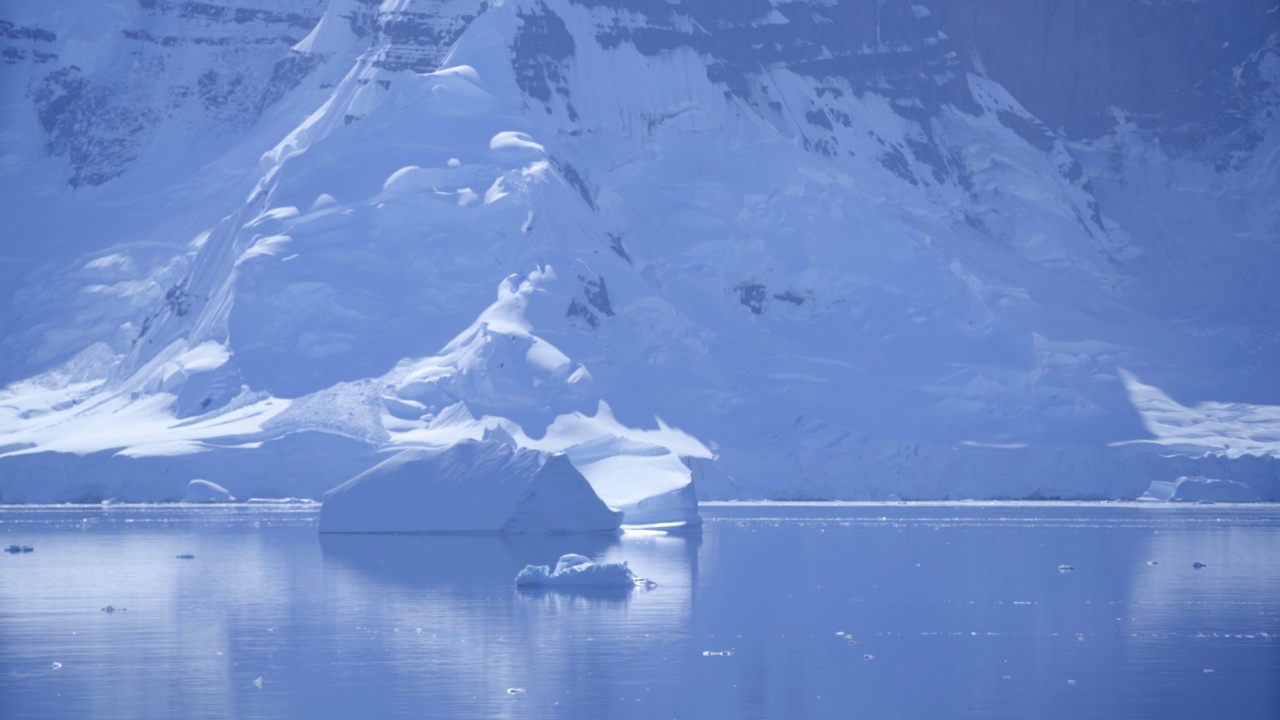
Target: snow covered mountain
[{"x": 850, "y": 248}]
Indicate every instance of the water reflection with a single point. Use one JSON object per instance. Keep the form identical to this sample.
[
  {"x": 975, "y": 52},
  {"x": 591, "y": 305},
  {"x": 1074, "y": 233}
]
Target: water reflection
[
  {"x": 447, "y": 606},
  {"x": 458, "y": 560},
  {"x": 772, "y": 613}
]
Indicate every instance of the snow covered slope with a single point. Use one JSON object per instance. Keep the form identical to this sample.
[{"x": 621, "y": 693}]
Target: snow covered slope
[{"x": 856, "y": 249}]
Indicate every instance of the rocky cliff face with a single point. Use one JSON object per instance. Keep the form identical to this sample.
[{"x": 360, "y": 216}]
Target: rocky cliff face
[{"x": 865, "y": 248}]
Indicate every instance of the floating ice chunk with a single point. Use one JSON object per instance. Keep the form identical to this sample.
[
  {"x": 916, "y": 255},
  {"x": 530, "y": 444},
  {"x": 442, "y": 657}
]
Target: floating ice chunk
[
  {"x": 204, "y": 491},
  {"x": 472, "y": 486},
  {"x": 454, "y": 162},
  {"x": 579, "y": 571},
  {"x": 57, "y": 665},
  {"x": 515, "y": 691},
  {"x": 1066, "y": 568},
  {"x": 868, "y": 656},
  {"x": 1153, "y": 563},
  {"x": 717, "y": 653},
  {"x": 258, "y": 682}
]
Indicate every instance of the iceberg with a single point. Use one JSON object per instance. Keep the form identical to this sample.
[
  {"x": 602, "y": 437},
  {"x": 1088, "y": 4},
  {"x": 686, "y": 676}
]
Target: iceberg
[
  {"x": 485, "y": 486},
  {"x": 1205, "y": 489},
  {"x": 578, "y": 571}
]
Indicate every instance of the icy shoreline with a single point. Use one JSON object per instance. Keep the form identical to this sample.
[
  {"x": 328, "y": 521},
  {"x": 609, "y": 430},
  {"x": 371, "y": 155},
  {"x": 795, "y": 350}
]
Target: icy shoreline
[{"x": 315, "y": 505}]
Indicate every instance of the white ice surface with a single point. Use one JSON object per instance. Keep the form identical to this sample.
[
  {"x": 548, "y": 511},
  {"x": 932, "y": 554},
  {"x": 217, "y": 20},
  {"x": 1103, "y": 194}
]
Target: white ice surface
[
  {"x": 203, "y": 491},
  {"x": 935, "y": 307},
  {"x": 470, "y": 487},
  {"x": 577, "y": 571}
]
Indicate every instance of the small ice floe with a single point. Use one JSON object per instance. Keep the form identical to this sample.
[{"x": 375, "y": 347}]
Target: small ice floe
[
  {"x": 868, "y": 656},
  {"x": 15, "y": 549},
  {"x": 1071, "y": 682},
  {"x": 1208, "y": 670},
  {"x": 515, "y": 691},
  {"x": 1006, "y": 677},
  {"x": 258, "y": 682},
  {"x": 1197, "y": 565},
  {"x": 1066, "y": 568},
  {"x": 57, "y": 665},
  {"x": 716, "y": 653},
  {"x": 185, "y": 556},
  {"x": 579, "y": 571},
  {"x": 1153, "y": 563}
]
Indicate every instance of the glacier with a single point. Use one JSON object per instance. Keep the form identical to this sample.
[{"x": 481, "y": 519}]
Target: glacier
[{"x": 787, "y": 249}]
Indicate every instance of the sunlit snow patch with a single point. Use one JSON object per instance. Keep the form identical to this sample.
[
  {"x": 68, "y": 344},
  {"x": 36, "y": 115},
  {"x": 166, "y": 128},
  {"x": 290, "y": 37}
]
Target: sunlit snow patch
[{"x": 203, "y": 491}]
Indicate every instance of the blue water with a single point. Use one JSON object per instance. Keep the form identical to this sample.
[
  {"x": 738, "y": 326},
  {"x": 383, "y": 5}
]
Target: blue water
[{"x": 955, "y": 611}]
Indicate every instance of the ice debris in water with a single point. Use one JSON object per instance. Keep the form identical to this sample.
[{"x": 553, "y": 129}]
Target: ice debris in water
[
  {"x": 1066, "y": 568},
  {"x": 579, "y": 571},
  {"x": 515, "y": 691},
  {"x": 258, "y": 682},
  {"x": 1153, "y": 563},
  {"x": 868, "y": 656},
  {"x": 57, "y": 665},
  {"x": 1197, "y": 565},
  {"x": 15, "y": 549},
  {"x": 717, "y": 653}
]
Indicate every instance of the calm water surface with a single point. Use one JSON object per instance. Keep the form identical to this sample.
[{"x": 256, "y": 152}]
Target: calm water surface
[{"x": 953, "y": 610}]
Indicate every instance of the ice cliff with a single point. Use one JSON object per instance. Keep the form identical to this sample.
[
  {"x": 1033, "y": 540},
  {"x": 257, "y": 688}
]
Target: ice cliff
[
  {"x": 861, "y": 249},
  {"x": 471, "y": 486}
]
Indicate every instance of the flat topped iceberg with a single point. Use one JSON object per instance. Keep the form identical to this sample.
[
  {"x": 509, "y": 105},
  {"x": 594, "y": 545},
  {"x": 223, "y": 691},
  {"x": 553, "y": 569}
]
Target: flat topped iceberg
[
  {"x": 579, "y": 571},
  {"x": 474, "y": 486}
]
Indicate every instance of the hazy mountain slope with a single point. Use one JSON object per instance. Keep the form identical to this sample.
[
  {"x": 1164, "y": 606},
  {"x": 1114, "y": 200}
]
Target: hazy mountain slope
[{"x": 858, "y": 249}]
